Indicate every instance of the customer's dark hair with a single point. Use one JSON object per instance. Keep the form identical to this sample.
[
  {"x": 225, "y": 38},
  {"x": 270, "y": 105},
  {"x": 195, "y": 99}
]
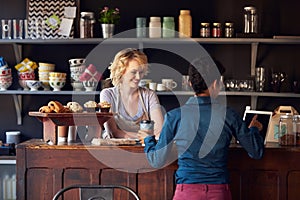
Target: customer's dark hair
[{"x": 203, "y": 72}]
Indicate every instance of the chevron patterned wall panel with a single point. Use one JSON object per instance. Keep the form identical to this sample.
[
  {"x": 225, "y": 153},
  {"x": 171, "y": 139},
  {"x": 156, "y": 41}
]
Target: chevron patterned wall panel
[{"x": 39, "y": 12}]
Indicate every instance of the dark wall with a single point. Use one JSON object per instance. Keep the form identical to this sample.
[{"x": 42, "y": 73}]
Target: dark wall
[{"x": 276, "y": 18}]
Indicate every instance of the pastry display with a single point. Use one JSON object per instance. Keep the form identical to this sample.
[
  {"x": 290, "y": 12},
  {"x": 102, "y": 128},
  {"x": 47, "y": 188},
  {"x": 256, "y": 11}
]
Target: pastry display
[
  {"x": 54, "y": 107},
  {"x": 104, "y": 106},
  {"x": 74, "y": 107},
  {"x": 91, "y": 106}
]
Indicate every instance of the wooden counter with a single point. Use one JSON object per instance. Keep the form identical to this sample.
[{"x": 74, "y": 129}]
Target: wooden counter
[{"x": 43, "y": 169}]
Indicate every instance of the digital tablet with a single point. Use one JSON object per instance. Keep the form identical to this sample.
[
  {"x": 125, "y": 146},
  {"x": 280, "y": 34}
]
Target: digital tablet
[{"x": 263, "y": 117}]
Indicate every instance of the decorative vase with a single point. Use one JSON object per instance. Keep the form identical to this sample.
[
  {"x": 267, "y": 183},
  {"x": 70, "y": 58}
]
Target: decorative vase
[{"x": 108, "y": 30}]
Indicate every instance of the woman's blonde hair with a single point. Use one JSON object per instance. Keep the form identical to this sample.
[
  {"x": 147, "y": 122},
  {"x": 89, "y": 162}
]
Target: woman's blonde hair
[{"x": 120, "y": 63}]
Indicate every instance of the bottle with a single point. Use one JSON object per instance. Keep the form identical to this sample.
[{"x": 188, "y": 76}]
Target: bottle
[
  {"x": 216, "y": 30},
  {"x": 185, "y": 24},
  {"x": 154, "y": 27},
  {"x": 87, "y": 24},
  {"x": 286, "y": 134},
  {"x": 229, "y": 30},
  {"x": 168, "y": 27},
  {"x": 205, "y": 30}
]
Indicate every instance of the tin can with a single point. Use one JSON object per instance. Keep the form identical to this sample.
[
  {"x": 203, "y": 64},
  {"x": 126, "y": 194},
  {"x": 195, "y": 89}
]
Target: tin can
[
  {"x": 216, "y": 30},
  {"x": 205, "y": 30}
]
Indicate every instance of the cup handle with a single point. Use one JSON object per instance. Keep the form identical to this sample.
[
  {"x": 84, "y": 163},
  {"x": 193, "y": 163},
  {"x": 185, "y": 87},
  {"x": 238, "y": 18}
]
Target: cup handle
[{"x": 174, "y": 85}]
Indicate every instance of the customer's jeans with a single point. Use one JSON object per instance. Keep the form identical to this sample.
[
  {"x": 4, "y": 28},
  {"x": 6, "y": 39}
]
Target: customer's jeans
[{"x": 202, "y": 192}]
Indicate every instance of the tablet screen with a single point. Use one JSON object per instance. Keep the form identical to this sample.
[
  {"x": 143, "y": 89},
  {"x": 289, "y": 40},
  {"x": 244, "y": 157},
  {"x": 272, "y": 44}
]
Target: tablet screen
[{"x": 263, "y": 117}]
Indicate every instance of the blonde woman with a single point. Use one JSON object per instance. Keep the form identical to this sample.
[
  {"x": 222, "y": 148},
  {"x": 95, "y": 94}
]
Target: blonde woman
[{"x": 130, "y": 103}]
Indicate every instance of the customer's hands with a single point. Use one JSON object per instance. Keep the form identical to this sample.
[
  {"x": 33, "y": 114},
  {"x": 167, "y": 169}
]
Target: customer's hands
[
  {"x": 256, "y": 123},
  {"x": 143, "y": 133}
]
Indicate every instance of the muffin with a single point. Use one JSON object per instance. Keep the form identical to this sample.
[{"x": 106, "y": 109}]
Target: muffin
[
  {"x": 91, "y": 106},
  {"x": 104, "y": 106}
]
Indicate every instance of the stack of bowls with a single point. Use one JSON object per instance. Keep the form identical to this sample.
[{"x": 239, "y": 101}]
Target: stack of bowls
[
  {"x": 44, "y": 70},
  {"x": 24, "y": 76},
  {"x": 57, "y": 80},
  {"x": 77, "y": 67},
  {"x": 5, "y": 77}
]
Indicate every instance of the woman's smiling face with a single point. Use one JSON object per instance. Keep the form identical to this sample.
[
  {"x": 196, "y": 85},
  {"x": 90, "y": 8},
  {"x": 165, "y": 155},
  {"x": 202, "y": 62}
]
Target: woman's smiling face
[{"x": 133, "y": 74}]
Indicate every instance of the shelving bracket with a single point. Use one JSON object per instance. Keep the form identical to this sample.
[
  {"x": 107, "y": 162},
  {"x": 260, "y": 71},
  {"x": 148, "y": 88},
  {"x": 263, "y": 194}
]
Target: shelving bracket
[
  {"x": 254, "y": 47},
  {"x": 18, "y": 107},
  {"x": 17, "y": 52}
]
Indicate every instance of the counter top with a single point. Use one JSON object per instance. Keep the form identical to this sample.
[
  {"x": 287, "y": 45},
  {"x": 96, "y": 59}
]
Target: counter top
[{"x": 40, "y": 144}]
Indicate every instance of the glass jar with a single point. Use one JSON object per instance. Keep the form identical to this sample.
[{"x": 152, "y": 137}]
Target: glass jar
[
  {"x": 205, "y": 30},
  {"x": 250, "y": 20},
  {"x": 229, "y": 30},
  {"x": 155, "y": 27},
  {"x": 216, "y": 30},
  {"x": 168, "y": 27},
  {"x": 185, "y": 24},
  {"x": 296, "y": 128},
  {"x": 286, "y": 134},
  {"x": 87, "y": 22}
]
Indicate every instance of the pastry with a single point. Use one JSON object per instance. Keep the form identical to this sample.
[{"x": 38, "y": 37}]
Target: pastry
[
  {"x": 104, "y": 106},
  {"x": 45, "y": 109},
  {"x": 90, "y": 106},
  {"x": 74, "y": 107},
  {"x": 56, "y": 106}
]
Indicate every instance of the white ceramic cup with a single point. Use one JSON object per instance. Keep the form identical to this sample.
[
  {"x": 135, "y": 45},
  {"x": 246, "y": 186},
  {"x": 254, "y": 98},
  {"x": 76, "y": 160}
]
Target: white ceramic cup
[
  {"x": 160, "y": 87},
  {"x": 170, "y": 84},
  {"x": 145, "y": 82},
  {"x": 152, "y": 86}
]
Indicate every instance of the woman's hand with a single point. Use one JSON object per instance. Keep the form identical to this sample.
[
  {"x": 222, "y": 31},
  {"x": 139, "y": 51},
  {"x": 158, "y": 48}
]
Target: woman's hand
[
  {"x": 256, "y": 123},
  {"x": 142, "y": 134}
]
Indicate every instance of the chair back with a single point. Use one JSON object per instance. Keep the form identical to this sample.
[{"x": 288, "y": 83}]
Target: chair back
[{"x": 96, "y": 192}]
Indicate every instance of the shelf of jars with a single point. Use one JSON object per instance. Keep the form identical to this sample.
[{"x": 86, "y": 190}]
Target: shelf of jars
[{"x": 164, "y": 40}]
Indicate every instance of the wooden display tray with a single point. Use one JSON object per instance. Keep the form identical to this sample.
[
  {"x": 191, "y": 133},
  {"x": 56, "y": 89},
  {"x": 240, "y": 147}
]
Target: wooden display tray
[{"x": 52, "y": 120}]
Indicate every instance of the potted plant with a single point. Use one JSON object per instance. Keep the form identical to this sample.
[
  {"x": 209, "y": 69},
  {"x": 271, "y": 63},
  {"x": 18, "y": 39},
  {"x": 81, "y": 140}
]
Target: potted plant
[{"x": 108, "y": 17}]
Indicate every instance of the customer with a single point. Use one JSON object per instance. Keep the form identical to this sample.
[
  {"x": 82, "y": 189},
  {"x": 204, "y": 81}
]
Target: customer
[
  {"x": 201, "y": 132},
  {"x": 129, "y": 102}
]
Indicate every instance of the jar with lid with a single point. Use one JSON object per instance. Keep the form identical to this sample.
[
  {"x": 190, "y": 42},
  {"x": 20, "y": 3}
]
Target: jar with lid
[
  {"x": 216, "y": 30},
  {"x": 205, "y": 30},
  {"x": 87, "y": 22},
  {"x": 185, "y": 24},
  {"x": 250, "y": 20},
  {"x": 168, "y": 27},
  {"x": 296, "y": 128},
  {"x": 286, "y": 134},
  {"x": 155, "y": 27},
  {"x": 229, "y": 30}
]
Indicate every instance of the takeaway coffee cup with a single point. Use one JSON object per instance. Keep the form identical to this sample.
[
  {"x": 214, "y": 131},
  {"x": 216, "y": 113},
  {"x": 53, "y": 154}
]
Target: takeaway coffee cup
[{"x": 170, "y": 84}]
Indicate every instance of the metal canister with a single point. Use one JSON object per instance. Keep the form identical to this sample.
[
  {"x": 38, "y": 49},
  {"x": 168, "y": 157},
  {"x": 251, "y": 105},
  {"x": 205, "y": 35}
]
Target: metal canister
[
  {"x": 205, "y": 30},
  {"x": 229, "y": 30},
  {"x": 87, "y": 22},
  {"x": 216, "y": 30},
  {"x": 286, "y": 134}
]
